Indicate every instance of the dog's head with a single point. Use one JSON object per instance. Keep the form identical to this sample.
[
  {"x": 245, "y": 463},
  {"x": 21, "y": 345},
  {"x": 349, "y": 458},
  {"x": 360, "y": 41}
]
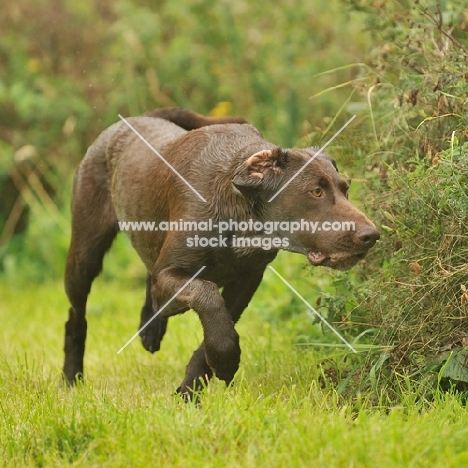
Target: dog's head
[{"x": 301, "y": 187}]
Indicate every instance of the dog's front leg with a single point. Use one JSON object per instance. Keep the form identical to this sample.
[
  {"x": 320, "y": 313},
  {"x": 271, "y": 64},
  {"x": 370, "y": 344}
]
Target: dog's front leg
[
  {"x": 236, "y": 295},
  {"x": 197, "y": 375},
  {"x": 221, "y": 341}
]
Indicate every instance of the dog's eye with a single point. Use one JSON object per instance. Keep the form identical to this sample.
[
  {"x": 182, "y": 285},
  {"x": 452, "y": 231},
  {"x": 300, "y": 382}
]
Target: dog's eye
[{"x": 318, "y": 192}]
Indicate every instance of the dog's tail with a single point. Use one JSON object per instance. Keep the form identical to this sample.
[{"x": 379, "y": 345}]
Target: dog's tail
[{"x": 190, "y": 120}]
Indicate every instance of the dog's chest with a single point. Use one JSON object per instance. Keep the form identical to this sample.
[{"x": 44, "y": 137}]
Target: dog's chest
[{"x": 223, "y": 266}]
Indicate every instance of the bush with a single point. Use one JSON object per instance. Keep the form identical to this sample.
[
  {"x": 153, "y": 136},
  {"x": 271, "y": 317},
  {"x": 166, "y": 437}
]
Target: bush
[{"x": 416, "y": 305}]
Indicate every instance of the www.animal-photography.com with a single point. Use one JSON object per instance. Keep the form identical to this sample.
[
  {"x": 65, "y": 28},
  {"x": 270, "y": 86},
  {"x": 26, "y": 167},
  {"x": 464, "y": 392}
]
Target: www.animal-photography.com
[{"x": 233, "y": 233}]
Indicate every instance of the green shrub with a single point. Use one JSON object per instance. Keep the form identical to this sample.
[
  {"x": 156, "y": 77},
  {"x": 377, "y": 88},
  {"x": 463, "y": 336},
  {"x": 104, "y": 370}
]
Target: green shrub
[{"x": 415, "y": 306}]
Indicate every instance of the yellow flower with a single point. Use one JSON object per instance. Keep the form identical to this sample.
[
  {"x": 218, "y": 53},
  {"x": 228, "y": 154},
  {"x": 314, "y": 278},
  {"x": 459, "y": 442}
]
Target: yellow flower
[
  {"x": 34, "y": 65},
  {"x": 222, "y": 108}
]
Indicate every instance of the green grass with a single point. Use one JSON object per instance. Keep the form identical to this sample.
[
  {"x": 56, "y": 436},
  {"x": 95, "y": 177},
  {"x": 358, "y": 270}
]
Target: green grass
[{"x": 276, "y": 415}]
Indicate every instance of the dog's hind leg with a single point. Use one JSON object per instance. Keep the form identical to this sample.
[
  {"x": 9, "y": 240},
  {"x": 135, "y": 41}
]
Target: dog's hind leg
[
  {"x": 237, "y": 296},
  {"x": 94, "y": 227},
  {"x": 153, "y": 332}
]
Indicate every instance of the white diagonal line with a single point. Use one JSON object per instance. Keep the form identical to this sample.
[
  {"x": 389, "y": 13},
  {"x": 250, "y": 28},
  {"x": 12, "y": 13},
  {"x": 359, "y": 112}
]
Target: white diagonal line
[
  {"x": 312, "y": 158},
  {"x": 160, "y": 157},
  {"x": 313, "y": 310},
  {"x": 161, "y": 309}
]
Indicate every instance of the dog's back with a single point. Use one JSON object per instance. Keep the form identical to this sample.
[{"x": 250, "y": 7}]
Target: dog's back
[
  {"x": 158, "y": 132},
  {"x": 160, "y": 126}
]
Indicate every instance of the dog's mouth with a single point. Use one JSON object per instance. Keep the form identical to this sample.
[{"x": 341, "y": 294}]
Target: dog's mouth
[
  {"x": 338, "y": 261},
  {"x": 316, "y": 258}
]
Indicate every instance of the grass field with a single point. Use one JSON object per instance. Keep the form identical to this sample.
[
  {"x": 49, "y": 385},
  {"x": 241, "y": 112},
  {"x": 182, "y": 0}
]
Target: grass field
[{"x": 276, "y": 415}]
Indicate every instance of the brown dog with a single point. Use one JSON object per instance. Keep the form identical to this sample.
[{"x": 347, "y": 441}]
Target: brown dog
[{"x": 238, "y": 173}]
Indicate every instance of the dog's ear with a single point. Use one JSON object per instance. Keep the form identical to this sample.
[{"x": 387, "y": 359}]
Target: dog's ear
[{"x": 263, "y": 170}]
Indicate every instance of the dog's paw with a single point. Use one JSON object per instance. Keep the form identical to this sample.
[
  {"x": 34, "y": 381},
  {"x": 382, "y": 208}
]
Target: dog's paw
[
  {"x": 223, "y": 356},
  {"x": 188, "y": 395},
  {"x": 191, "y": 393},
  {"x": 72, "y": 379},
  {"x": 152, "y": 334}
]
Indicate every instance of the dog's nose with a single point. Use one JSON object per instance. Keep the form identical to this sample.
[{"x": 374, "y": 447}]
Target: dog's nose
[{"x": 367, "y": 236}]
